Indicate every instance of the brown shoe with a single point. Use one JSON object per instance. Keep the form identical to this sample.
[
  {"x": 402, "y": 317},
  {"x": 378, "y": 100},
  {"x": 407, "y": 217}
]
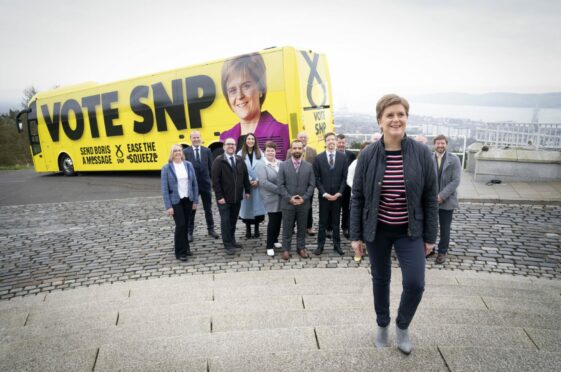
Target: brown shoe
[
  {"x": 311, "y": 231},
  {"x": 441, "y": 258},
  {"x": 285, "y": 255},
  {"x": 303, "y": 253}
]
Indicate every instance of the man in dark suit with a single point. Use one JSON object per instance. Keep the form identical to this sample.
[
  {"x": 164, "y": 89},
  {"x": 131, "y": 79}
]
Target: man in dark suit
[
  {"x": 201, "y": 158},
  {"x": 229, "y": 180},
  {"x": 309, "y": 154},
  {"x": 346, "y": 202},
  {"x": 330, "y": 169},
  {"x": 296, "y": 185}
]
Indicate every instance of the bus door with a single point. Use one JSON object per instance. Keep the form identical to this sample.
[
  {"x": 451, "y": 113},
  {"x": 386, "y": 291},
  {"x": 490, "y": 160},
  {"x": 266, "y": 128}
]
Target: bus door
[{"x": 33, "y": 133}]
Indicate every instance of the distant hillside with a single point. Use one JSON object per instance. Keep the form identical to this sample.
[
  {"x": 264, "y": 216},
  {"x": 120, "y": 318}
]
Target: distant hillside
[{"x": 543, "y": 100}]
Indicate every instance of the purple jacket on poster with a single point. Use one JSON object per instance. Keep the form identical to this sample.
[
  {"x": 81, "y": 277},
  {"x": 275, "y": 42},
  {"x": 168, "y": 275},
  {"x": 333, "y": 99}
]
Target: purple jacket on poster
[{"x": 268, "y": 129}]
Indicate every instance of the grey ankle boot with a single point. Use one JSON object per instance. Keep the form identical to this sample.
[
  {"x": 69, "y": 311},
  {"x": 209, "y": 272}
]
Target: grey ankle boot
[
  {"x": 382, "y": 336},
  {"x": 403, "y": 340}
]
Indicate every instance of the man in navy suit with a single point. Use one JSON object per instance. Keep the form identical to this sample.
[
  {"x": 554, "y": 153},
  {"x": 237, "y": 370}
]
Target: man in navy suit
[
  {"x": 201, "y": 158},
  {"x": 330, "y": 168}
]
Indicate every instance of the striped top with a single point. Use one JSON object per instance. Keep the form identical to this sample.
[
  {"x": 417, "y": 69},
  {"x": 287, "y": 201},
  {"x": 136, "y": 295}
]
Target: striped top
[{"x": 393, "y": 202}]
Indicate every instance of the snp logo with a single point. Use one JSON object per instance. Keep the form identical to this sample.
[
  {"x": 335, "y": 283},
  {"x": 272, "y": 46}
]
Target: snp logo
[{"x": 314, "y": 76}]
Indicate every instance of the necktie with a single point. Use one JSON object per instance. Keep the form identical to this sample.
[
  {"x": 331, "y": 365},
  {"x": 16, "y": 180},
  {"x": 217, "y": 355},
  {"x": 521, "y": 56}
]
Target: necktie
[
  {"x": 331, "y": 162},
  {"x": 197, "y": 154},
  {"x": 439, "y": 160},
  {"x": 232, "y": 162},
  {"x": 297, "y": 166}
]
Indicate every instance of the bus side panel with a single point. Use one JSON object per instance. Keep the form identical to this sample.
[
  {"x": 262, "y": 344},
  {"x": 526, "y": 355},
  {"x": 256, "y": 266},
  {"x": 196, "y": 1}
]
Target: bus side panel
[
  {"x": 315, "y": 93},
  {"x": 131, "y": 124}
]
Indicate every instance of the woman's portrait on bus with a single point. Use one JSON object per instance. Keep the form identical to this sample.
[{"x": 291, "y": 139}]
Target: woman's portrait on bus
[{"x": 244, "y": 86}]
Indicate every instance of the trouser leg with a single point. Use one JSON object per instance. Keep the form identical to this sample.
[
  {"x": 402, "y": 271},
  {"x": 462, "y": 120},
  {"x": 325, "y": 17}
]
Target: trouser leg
[
  {"x": 379, "y": 252},
  {"x": 206, "y": 198},
  {"x": 224, "y": 210},
  {"x": 411, "y": 256},
  {"x": 334, "y": 217},
  {"x": 302, "y": 220},
  {"x": 445, "y": 222},
  {"x": 273, "y": 228},
  {"x": 288, "y": 217}
]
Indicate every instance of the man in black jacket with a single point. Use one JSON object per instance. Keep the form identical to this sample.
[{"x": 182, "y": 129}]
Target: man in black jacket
[
  {"x": 346, "y": 201},
  {"x": 330, "y": 169},
  {"x": 201, "y": 158},
  {"x": 229, "y": 181}
]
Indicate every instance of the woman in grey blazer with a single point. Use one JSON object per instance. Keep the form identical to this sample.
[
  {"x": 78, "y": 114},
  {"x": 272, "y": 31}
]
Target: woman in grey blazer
[
  {"x": 181, "y": 195},
  {"x": 267, "y": 172}
]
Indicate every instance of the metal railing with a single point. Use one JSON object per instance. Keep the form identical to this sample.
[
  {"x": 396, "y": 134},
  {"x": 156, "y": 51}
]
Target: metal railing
[{"x": 530, "y": 135}]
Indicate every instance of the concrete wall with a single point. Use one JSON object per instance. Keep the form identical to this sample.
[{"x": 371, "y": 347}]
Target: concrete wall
[{"x": 515, "y": 164}]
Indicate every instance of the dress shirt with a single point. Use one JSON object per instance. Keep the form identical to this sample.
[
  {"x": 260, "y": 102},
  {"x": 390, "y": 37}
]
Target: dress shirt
[{"x": 182, "y": 180}]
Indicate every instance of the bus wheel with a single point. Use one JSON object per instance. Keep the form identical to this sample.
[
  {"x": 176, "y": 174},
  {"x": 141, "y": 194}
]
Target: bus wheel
[
  {"x": 216, "y": 152},
  {"x": 66, "y": 165}
]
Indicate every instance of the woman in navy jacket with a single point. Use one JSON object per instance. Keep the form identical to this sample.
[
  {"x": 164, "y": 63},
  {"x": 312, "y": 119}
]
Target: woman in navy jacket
[{"x": 181, "y": 195}]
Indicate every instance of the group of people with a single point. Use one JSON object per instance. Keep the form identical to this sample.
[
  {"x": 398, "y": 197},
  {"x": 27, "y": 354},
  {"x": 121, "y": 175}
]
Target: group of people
[{"x": 401, "y": 193}]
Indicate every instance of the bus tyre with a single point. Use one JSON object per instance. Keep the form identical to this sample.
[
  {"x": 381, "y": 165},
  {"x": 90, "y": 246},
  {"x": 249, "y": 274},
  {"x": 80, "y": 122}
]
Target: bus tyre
[
  {"x": 66, "y": 165},
  {"x": 217, "y": 152}
]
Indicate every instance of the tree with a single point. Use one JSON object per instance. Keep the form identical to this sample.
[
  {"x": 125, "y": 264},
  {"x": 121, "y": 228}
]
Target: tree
[{"x": 28, "y": 93}]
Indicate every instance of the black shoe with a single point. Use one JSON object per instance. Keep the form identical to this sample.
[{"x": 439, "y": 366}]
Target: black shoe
[
  {"x": 346, "y": 233},
  {"x": 230, "y": 251},
  {"x": 329, "y": 234},
  {"x": 340, "y": 251},
  {"x": 189, "y": 253},
  {"x": 238, "y": 245},
  {"x": 318, "y": 251},
  {"x": 182, "y": 258},
  {"x": 190, "y": 238},
  {"x": 213, "y": 233}
]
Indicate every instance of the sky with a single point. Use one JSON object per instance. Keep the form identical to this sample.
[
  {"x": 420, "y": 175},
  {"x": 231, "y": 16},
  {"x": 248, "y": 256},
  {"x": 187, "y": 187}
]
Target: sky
[{"x": 373, "y": 47}]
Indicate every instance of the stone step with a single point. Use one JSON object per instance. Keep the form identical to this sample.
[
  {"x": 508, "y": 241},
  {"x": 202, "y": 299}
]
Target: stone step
[
  {"x": 75, "y": 360},
  {"x": 148, "y": 353}
]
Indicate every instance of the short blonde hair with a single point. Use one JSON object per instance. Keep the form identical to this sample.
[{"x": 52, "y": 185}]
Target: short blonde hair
[
  {"x": 173, "y": 147},
  {"x": 390, "y": 100}
]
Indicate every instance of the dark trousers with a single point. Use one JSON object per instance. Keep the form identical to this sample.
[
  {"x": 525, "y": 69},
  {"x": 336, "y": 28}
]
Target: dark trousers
[
  {"x": 310, "y": 213},
  {"x": 411, "y": 256},
  {"x": 445, "y": 222},
  {"x": 346, "y": 207},
  {"x": 329, "y": 217},
  {"x": 206, "y": 198},
  {"x": 273, "y": 229},
  {"x": 229, "y": 213},
  {"x": 300, "y": 214},
  {"x": 181, "y": 216}
]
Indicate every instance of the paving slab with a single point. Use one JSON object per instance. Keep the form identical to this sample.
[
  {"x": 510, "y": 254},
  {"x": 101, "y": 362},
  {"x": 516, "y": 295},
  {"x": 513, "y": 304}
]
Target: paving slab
[
  {"x": 530, "y": 320},
  {"x": 13, "y": 317},
  {"x": 289, "y": 319},
  {"x": 164, "y": 312},
  {"x": 494, "y": 359},
  {"x": 154, "y": 351},
  {"x": 358, "y": 359},
  {"x": 524, "y": 305},
  {"x": 38, "y": 327},
  {"x": 545, "y": 339},
  {"x": 75, "y": 360}
]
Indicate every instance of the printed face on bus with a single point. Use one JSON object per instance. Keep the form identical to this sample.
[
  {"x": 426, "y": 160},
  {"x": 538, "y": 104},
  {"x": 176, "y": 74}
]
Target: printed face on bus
[
  {"x": 394, "y": 121},
  {"x": 440, "y": 146},
  {"x": 243, "y": 97}
]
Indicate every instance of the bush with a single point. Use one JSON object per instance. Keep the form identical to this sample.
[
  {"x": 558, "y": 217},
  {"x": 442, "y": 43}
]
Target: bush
[{"x": 14, "y": 146}]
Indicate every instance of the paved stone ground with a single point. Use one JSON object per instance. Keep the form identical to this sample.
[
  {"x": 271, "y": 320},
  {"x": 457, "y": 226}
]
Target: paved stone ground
[{"x": 46, "y": 247}]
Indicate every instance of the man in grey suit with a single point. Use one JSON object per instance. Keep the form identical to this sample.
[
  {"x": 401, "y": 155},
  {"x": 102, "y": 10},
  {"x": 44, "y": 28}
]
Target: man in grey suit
[
  {"x": 296, "y": 185},
  {"x": 201, "y": 158},
  {"x": 309, "y": 154},
  {"x": 449, "y": 171}
]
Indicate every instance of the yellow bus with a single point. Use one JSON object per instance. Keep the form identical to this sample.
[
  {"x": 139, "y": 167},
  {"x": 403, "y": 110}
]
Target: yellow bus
[{"x": 131, "y": 124}]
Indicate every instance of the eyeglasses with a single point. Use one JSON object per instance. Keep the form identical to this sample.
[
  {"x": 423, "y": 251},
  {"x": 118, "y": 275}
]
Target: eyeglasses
[{"x": 230, "y": 144}]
